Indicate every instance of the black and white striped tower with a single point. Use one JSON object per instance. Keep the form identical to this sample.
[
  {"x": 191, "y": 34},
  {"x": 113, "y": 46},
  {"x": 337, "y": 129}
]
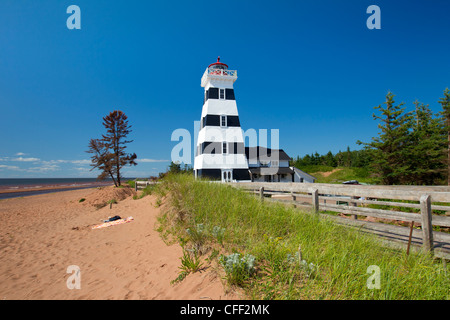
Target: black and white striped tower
[{"x": 220, "y": 153}]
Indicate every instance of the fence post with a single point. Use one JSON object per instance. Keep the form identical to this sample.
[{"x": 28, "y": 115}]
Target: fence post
[
  {"x": 261, "y": 193},
  {"x": 294, "y": 198},
  {"x": 427, "y": 226},
  {"x": 354, "y": 204},
  {"x": 315, "y": 200},
  {"x": 135, "y": 185}
]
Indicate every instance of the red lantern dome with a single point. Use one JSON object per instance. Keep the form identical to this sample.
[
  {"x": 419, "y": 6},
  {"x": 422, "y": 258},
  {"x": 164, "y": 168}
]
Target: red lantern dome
[{"x": 218, "y": 65}]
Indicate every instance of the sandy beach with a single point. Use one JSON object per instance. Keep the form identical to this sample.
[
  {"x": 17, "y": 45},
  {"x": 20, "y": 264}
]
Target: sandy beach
[{"x": 42, "y": 235}]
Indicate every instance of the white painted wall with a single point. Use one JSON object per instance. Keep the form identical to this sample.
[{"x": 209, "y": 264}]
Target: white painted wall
[
  {"x": 222, "y": 161},
  {"x": 219, "y": 134},
  {"x": 300, "y": 174},
  {"x": 217, "y": 106}
]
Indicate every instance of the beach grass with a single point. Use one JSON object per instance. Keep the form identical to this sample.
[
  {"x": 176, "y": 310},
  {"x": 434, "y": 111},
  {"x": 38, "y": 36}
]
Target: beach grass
[{"x": 297, "y": 255}]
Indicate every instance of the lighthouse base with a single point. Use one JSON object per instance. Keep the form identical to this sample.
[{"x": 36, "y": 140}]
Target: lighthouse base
[{"x": 225, "y": 175}]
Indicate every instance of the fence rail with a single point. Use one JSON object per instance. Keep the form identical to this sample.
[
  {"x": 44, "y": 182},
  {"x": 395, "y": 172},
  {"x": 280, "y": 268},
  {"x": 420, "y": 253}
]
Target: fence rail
[
  {"x": 141, "y": 184},
  {"x": 355, "y": 200}
]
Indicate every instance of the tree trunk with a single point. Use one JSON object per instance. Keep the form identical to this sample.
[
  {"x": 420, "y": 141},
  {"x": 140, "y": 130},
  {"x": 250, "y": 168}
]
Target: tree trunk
[{"x": 114, "y": 180}]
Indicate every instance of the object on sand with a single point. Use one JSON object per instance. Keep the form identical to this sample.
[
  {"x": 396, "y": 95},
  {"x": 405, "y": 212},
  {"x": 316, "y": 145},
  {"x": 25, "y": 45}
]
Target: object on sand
[
  {"x": 113, "y": 223},
  {"x": 112, "y": 219}
]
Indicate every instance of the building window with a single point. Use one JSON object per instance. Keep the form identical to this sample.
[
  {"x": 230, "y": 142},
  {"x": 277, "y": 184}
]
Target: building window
[
  {"x": 229, "y": 93},
  {"x": 213, "y": 93},
  {"x": 274, "y": 163},
  {"x": 224, "y": 148},
  {"x": 222, "y": 94},
  {"x": 223, "y": 121}
]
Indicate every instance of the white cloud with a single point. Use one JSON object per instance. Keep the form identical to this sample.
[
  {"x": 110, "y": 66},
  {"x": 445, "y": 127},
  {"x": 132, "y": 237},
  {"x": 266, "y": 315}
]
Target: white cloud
[
  {"x": 2, "y": 166},
  {"x": 20, "y": 154},
  {"x": 151, "y": 160},
  {"x": 80, "y": 162},
  {"x": 44, "y": 168},
  {"x": 21, "y": 159}
]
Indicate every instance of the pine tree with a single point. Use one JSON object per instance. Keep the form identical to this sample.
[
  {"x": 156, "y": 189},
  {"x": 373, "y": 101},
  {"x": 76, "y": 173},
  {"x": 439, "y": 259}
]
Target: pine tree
[
  {"x": 445, "y": 103},
  {"x": 425, "y": 155},
  {"x": 388, "y": 149},
  {"x": 330, "y": 160},
  {"x": 109, "y": 152},
  {"x": 101, "y": 159},
  {"x": 348, "y": 158}
]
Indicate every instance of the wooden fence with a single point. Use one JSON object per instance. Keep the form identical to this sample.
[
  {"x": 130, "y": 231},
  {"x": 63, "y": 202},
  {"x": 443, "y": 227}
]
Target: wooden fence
[
  {"x": 354, "y": 200},
  {"x": 141, "y": 184}
]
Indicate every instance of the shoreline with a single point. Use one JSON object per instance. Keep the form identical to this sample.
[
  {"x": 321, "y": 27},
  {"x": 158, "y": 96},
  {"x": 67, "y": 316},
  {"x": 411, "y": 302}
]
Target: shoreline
[
  {"x": 44, "y": 186},
  {"x": 14, "y": 191},
  {"x": 29, "y": 193}
]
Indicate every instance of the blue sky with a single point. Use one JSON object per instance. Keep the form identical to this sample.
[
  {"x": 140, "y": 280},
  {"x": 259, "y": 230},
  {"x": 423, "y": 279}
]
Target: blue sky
[{"x": 311, "y": 69}]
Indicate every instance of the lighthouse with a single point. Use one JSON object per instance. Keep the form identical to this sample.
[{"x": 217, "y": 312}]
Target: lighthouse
[{"x": 220, "y": 153}]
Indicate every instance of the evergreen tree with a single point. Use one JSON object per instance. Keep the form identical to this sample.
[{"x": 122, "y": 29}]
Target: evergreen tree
[
  {"x": 425, "y": 155},
  {"x": 330, "y": 160},
  {"x": 174, "y": 167},
  {"x": 109, "y": 152},
  {"x": 387, "y": 150},
  {"x": 348, "y": 158},
  {"x": 445, "y": 103}
]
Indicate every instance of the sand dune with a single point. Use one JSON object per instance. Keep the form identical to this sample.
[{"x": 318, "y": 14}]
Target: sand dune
[{"x": 40, "y": 236}]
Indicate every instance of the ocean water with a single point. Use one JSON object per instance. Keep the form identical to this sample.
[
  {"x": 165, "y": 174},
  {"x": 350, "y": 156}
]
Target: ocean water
[
  {"x": 49, "y": 182},
  {"x": 9, "y": 188}
]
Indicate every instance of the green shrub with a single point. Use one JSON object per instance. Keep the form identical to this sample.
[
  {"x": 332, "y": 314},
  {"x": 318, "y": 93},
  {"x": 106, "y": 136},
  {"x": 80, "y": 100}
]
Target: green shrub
[
  {"x": 237, "y": 267},
  {"x": 218, "y": 233},
  {"x": 131, "y": 183},
  {"x": 190, "y": 263}
]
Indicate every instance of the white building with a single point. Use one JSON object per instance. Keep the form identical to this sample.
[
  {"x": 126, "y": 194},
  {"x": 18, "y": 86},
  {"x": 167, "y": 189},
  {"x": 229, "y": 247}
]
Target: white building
[
  {"x": 272, "y": 165},
  {"x": 220, "y": 150}
]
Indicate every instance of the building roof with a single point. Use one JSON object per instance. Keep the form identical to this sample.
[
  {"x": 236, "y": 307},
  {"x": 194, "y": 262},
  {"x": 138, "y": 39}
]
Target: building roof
[
  {"x": 264, "y": 171},
  {"x": 261, "y": 153},
  {"x": 218, "y": 63},
  {"x": 303, "y": 173}
]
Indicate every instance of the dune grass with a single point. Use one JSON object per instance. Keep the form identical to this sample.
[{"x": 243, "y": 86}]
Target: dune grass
[{"x": 297, "y": 255}]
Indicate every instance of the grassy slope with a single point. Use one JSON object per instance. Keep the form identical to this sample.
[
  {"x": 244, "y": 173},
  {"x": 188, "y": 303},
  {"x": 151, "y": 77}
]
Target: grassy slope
[
  {"x": 271, "y": 232},
  {"x": 340, "y": 175}
]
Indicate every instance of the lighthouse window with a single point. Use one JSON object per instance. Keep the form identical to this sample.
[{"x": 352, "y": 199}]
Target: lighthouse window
[
  {"x": 224, "y": 148},
  {"x": 229, "y": 94},
  {"x": 223, "y": 121},
  {"x": 213, "y": 93},
  {"x": 221, "y": 94}
]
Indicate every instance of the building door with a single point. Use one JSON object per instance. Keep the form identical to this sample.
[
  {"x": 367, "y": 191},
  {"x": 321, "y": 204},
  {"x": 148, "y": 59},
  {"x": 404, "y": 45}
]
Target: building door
[{"x": 227, "y": 175}]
